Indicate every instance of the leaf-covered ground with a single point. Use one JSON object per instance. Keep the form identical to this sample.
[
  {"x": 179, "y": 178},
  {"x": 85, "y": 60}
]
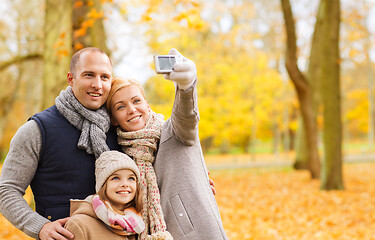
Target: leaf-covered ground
[
  {"x": 283, "y": 204},
  {"x": 288, "y": 205}
]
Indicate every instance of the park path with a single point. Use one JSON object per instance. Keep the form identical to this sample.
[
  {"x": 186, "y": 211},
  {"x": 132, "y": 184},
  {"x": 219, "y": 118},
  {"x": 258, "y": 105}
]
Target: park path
[{"x": 277, "y": 162}]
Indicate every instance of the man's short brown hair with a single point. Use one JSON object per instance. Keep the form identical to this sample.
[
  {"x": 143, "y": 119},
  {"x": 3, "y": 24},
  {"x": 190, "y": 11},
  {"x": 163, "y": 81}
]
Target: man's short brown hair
[{"x": 76, "y": 56}]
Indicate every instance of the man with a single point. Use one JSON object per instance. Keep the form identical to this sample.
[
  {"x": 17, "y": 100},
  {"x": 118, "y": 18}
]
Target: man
[{"x": 55, "y": 151}]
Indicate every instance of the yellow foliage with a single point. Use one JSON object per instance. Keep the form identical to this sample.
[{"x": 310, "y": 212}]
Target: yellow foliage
[
  {"x": 237, "y": 90},
  {"x": 146, "y": 18},
  {"x": 123, "y": 9},
  {"x": 356, "y": 115}
]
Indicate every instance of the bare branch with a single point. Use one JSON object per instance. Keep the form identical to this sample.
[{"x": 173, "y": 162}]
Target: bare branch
[{"x": 19, "y": 59}]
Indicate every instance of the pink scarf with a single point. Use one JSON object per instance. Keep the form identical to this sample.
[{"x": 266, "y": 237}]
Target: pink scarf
[{"x": 128, "y": 224}]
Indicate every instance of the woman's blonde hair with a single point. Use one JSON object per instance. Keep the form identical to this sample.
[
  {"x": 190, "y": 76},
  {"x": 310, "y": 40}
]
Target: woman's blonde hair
[{"x": 119, "y": 83}]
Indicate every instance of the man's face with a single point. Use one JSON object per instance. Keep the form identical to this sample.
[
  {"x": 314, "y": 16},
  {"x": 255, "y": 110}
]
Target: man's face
[{"x": 91, "y": 81}]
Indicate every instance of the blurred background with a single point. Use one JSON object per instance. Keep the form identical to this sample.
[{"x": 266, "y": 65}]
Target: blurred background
[
  {"x": 248, "y": 105},
  {"x": 282, "y": 84}
]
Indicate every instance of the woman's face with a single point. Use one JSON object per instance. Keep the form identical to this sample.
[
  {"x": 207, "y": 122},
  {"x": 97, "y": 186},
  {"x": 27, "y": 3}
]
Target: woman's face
[
  {"x": 129, "y": 108},
  {"x": 121, "y": 188}
]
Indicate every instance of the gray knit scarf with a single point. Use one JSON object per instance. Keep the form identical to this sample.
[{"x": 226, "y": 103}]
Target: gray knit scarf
[{"x": 93, "y": 124}]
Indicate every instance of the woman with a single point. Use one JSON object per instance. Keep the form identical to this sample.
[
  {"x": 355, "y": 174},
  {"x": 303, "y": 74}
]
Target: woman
[{"x": 189, "y": 207}]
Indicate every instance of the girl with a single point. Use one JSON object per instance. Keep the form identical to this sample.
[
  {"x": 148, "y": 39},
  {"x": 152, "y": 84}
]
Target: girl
[
  {"x": 172, "y": 150},
  {"x": 112, "y": 213}
]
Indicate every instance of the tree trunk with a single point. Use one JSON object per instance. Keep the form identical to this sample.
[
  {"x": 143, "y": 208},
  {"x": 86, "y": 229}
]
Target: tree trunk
[
  {"x": 57, "y": 48},
  {"x": 95, "y": 35},
  {"x": 300, "y": 162},
  {"x": 304, "y": 92},
  {"x": 313, "y": 77},
  {"x": 332, "y": 129}
]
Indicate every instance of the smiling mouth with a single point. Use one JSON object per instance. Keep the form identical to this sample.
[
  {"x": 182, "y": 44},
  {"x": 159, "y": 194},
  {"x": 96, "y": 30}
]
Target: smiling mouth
[
  {"x": 95, "y": 94},
  {"x": 123, "y": 192},
  {"x": 135, "y": 118}
]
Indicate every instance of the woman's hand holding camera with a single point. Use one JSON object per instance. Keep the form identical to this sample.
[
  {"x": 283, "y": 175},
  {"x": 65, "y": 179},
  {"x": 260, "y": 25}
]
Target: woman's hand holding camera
[{"x": 184, "y": 73}]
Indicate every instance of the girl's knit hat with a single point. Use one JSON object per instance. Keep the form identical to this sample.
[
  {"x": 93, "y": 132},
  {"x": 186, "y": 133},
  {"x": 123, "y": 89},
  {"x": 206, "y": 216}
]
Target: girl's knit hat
[{"x": 110, "y": 162}]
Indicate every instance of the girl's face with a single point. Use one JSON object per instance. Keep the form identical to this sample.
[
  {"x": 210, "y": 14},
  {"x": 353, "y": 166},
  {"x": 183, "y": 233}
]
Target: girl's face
[
  {"x": 129, "y": 108},
  {"x": 121, "y": 188}
]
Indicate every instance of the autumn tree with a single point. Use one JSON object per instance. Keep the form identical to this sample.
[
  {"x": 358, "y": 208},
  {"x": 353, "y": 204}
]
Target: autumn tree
[
  {"x": 57, "y": 48},
  {"x": 237, "y": 86},
  {"x": 356, "y": 46},
  {"x": 304, "y": 92},
  {"x": 331, "y": 96},
  {"x": 21, "y": 48},
  {"x": 313, "y": 77}
]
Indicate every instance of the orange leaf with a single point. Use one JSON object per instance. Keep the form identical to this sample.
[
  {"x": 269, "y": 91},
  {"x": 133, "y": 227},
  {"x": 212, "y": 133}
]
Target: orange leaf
[
  {"x": 78, "y": 4},
  {"x": 78, "y": 46},
  {"x": 87, "y": 23},
  {"x": 62, "y": 35},
  {"x": 79, "y": 33},
  {"x": 90, "y": 3},
  {"x": 62, "y": 53},
  {"x": 95, "y": 14},
  {"x": 58, "y": 44}
]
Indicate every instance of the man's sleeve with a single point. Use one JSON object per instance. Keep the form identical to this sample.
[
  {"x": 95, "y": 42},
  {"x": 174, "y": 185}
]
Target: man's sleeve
[{"x": 17, "y": 173}]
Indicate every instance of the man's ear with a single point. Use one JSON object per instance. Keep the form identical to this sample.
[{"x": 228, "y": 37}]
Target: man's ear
[
  {"x": 114, "y": 122},
  {"x": 70, "y": 78}
]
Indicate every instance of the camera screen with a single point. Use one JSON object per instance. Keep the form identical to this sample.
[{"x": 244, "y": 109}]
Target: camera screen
[{"x": 166, "y": 63}]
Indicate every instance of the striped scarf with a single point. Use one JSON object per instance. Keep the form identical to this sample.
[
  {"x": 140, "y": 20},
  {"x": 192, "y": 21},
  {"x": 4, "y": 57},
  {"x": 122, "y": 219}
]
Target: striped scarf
[
  {"x": 129, "y": 223},
  {"x": 142, "y": 146}
]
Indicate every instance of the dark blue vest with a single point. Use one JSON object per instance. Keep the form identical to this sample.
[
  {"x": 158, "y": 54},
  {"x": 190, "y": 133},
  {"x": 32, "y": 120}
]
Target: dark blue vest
[{"x": 64, "y": 172}]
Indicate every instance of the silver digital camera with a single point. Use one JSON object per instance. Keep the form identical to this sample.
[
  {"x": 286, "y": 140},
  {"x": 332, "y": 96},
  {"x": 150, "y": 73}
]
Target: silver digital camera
[{"x": 165, "y": 63}]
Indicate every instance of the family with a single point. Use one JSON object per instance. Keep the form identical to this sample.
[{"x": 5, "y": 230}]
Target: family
[{"x": 102, "y": 165}]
